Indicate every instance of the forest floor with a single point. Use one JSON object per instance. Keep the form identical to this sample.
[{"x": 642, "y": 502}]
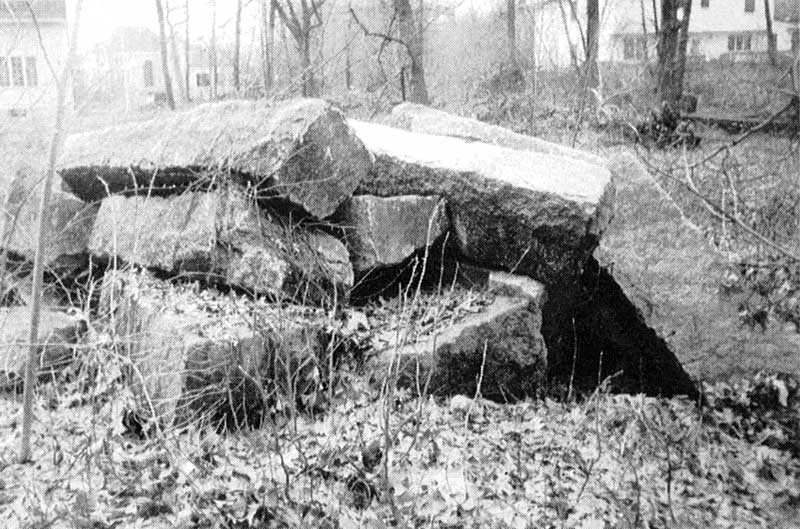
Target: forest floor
[
  {"x": 610, "y": 461},
  {"x": 601, "y": 462}
]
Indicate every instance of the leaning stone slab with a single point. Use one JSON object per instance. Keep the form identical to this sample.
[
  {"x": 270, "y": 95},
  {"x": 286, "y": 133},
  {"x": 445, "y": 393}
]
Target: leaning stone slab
[
  {"x": 58, "y": 335},
  {"x": 673, "y": 276},
  {"x": 503, "y": 342},
  {"x": 221, "y": 235},
  {"x": 594, "y": 332},
  {"x": 420, "y": 118},
  {"x": 537, "y": 214},
  {"x": 210, "y": 357},
  {"x": 300, "y": 150},
  {"x": 381, "y": 232}
]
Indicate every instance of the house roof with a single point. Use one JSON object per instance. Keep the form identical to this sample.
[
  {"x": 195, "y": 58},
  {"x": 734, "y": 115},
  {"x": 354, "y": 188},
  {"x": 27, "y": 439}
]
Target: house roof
[
  {"x": 130, "y": 39},
  {"x": 42, "y": 9}
]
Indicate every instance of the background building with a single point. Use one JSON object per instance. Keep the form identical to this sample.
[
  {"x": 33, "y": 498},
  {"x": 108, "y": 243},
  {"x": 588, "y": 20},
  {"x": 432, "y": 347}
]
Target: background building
[{"x": 33, "y": 45}]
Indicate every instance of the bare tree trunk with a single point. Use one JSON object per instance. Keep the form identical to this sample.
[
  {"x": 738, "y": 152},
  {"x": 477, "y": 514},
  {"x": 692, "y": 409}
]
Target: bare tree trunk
[
  {"x": 287, "y": 52},
  {"x": 237, "y": 49},
  {"x": 62, "y": 85},
  {"x": 645, "y": 33},
  {"x": 418, "y": 91},
  {"x": 164, "y": 66},
  {"x": 213, "y": 52},
  {"x": 572, "y": 54},
  {"x": 591, "y": 69},
  {"x": 187, "y": 56},
  {"x": 511, "y": 33},
  {"x": 771, "y": 41},
  {"x": 301, "y": 25},
  {"x": 672, "y": 42},
  {"x": 267, "y": 40},
  {"x": 310, "y": 86},
  {"x": 176, "y": 62},
  {"x": 656, "y": 24},
  {"x": 683, "y": 47},
  {"x": 348, "y": 58}
]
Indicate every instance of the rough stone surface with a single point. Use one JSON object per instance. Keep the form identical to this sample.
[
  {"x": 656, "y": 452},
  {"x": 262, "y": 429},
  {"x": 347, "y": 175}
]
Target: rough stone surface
[
  {"x": 612, "y": 341},
  {"x": 427, "y": 120},
  {"x": 209, "y": 357},
  {"x": 503, "y": 341},
  {"x": 300, "y": 150},
  {"x": 536, "y": 214},
  {"x": 673, "y": 276},
  {"x": 383, "y": 232},
  {"x": 222, "y": 236},
  {"x": 69, "y": 224},
  {"x": 58, "y": 334}
]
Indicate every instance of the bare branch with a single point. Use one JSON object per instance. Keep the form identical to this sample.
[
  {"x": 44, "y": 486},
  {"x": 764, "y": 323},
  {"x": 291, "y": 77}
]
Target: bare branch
[{"x": 386, "y": 38}]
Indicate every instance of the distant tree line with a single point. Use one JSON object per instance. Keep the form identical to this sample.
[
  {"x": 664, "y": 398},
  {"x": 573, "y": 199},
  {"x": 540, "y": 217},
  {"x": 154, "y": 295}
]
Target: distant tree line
[{"x": 401, "y": 25}]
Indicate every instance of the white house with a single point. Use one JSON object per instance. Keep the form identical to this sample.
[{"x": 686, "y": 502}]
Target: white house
[
  {"x": 732, "y": 29},
  {"x": 31, "y": 40},
  {"x": 729, "y": 29}
]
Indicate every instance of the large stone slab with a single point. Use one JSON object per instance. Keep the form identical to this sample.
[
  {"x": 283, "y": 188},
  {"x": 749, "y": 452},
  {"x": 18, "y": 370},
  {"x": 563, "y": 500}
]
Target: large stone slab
[
  {"x": 537, "y": 214},
  {"x": 222, "y": 236},
  {"x": 300, "y": 150},
  {"x": 501, "y": 346},
  {"x": 420, "y": 118},
  {"x": 210, "y": 357},
  {"x": 673, "y": 276},
  {"x": 58, "y": 335},
  {"x": 381, "y": 232}
]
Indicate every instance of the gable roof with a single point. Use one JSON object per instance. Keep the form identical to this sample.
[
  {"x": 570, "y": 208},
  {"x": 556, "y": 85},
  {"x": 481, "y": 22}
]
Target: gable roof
[
  {"x": 129, "y": 39},
  {"x": 12, "y": 10}
]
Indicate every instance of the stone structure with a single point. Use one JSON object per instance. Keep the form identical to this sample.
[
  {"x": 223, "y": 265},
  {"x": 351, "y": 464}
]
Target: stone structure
[{"x": 283, "y": 210}]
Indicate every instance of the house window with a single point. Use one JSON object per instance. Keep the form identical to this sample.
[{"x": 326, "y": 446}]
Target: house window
[
  {"x": 695, "y": 49},
  {"x": 5, "y": 79},
  {"x": 628, "y": 52},
  {"x": 749, "y": 6},
  {"x": 31, "y": 74},
  {"x": 740, "y": 42},
  {"x": 704, "y": 3},
  {"x": 203, "y": 80},
  {"x": 633, "y": 48},
  {"x": 795, "y": 40},
  {"x": 149, "y": 79},
  {"x": 17, "y": 72}
]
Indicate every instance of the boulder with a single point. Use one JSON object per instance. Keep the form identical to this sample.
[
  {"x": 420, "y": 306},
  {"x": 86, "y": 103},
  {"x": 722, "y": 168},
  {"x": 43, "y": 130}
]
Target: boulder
[
  {"x": 58, "y": 335},
  {"x": 68, "y": 227},
  {"x": 208, "y": 356},
  {"x": 673, "y": 277},
  {"x": 426, "y": 120},
  {"x": 381, "y": 232},
  {"x": 501, "y": 346},
  {"x": 299, "y": 150},
  {"x": 222, "y": 236},
  {"x": 537, "y": 214}
]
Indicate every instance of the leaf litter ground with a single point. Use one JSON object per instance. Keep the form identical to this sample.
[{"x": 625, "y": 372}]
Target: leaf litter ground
[{"x": 607, "y": 462}]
